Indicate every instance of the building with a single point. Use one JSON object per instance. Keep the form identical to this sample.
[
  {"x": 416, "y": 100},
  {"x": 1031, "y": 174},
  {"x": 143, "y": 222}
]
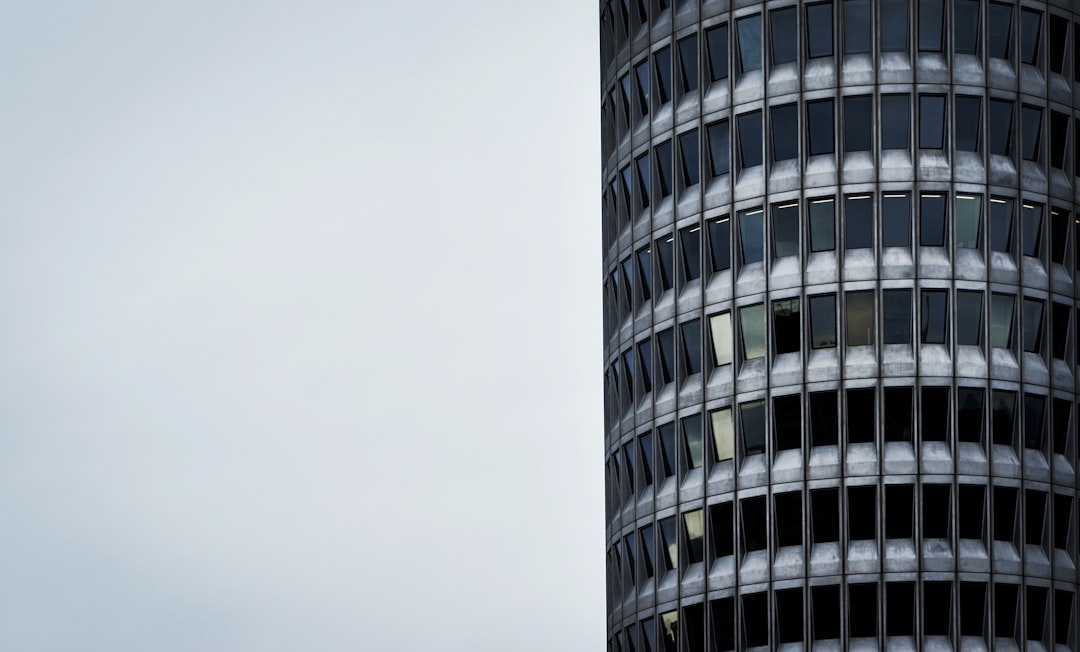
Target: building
[{"x": 841, "y": 340}]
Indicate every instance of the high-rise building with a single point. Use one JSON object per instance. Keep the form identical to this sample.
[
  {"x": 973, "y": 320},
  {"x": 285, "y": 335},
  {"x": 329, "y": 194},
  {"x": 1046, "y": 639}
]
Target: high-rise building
[{"x": 841, "y": 343}]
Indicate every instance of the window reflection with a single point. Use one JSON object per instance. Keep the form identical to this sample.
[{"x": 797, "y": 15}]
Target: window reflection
[
  {"x": 896, "y": 316},
  {"x": 819, "y": 116},
  {"x": 694, "y": 522},
  {"x": 723, "y": 433},
  {"x": 722, "y": 338},
  {"x": 749, "y": 139},
  {"x": 968, "y": 123},
  {"x": 752, "y": 236},
  {"x": 690, "y": 244},
  {"x": 822, "y": 231},
  {"x": 931, "y": 121},
  {"x": 690, "y": 158},
  {"x": 719, "y": 147},
  {"x": 670, "y": 536},
  {"x": 1001, "y": 127},
  {"x": 858, "y": 123},
  {"x": 785, "y": 223},
  {"x": 1001, "y": 320},
  {"x": 895, "y": 220},
  {"x": 752, "y": 325},
  {"x": 749, "y": 29},
  {"x": 968, "y": 209},
  {"x": 859, "y": 221},
  {"x": 787, "y": 329},
  {"x": 1030, "y": 28},
  {"x": 860, "y": 318},
  {"x": 695, "y": 443},
  {"x": 823, "y": 321},
  {"x": 688, "y": 63},
  {"x": 662, "y": 61}
]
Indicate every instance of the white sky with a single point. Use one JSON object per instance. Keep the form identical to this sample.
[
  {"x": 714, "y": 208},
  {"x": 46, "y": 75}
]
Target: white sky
[{"x": 300, "y": 339}]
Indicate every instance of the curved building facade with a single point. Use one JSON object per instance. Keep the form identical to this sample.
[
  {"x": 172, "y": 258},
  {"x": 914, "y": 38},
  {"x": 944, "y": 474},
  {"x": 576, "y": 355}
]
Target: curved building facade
[{"x": 841, "y": 262}]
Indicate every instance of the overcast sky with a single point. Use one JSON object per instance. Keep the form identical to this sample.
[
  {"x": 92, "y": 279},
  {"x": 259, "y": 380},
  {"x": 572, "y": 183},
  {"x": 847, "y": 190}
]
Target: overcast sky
[{"x": 300, "y": 326}]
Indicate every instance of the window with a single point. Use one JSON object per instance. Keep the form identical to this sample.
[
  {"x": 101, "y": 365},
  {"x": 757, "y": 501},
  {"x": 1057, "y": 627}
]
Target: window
[
  {"x": 968, "y": 123},
  {"x": 694, "y": 524},
  {"x": 1059, "y": 139},
  {"x": 722, "y": 520},
  {"x": 934, "y": 413},
  {"x": 645, "y": 444},
  {"x": 784, "y": 42},
  {"x": 787, "y": 422},
  {"x": 894, "y": 119},
  {"x": 897, "y": 420},
  {"x": 719, "y": 147},
  {"x": 665, "y": 341},
  {"x": 896, "y": 316},
  {"x": 1033, "y": 314},
  {"x": 648, "y": 545},
  {"x": 931, "y": 121},
  {"x": 716, "y": 40},
  {"x": 1004, "y": 513},
  {"x": 861, "y": 417},
  {"x": 935, "y": 316},
  {"x": 624, "y": 96},
  {"x": 752, "y": 325},
  {"x": 859, "y": 221},
  {"x": 670, "y": 540},
  {"x": 860, "y": 318},
  {"x": 1001, "y": 320},
  {"x": 824, "y": 424},
  {"x": 1059, "y": 34},
  {"x": 1059, "y": 315},
  {"x": 662, "y": 63},
  {"x": 785, "y": 223},
  {"x": 894, "y": 13},
  {"x": 1001, "y": 127},
  {"x": 823, "y": 321},
  {"x": 645, "y": 273},
  {"x": 1030, "y": 124},
  {"x": 969, "y": 414},
  {"x": 787, "y": 331},
  {"x": 899, "y": 511},
  {"x": 932, "y": 220},
  {"x": 966, "y": 26},
  {"x": 895, "y": 219},
  {"x": 753, "y": 430},
  {"x": 1000, "y": 26},
  {"x": 858, "y": 123},
  {"x": 825, "y": 609},
  {"x": 862, "y": 513},
  {"x": 1062, "y": 518},
  {"x": 930, "y": 22},
  {"x": 972, "y": 608},
  {"x": 969, "y": 317},
  {"x": 720, "y": 244},
  {"x": 691, "y": 342},
  {"x": 688, "y": 63},
  {"x": 690, "y": 247},
  {"x": 1030, "y": 28},
  {"x": 690, "y": 159},
  {"x": 751, "y": 235},
  {"x": 1063, "y": 616},
  {"x": 788, "y": 521},
  {"x": 857, "y": 26},
  {"x": 749, "y": 139},
  {"x": 937, "y": 597},
  {"x": 642, "y": 167},
  {"x": 1062, "y": 431},
  {"x": 641, "y": 75},
  {"x": 968, "y": 209},
  {"x": 789, "y": 614},
  {"x": 1003, "y": 408},
  {"x": 723, "y": 623},
  {"x": 819, "y": 24},
  {"x": 648, "y": 634},
  {"x": 722, "y": 338},
  {"x": 819, "y": 117},
  {"x": 1031, "y": 215},
  {"x": 1034, "y": 420},
  {"x": 756, "y": 624},
  {"x": 825, "y": 515},
  {"x": 662, "y": 154},
  {"x": 1001, "y": 214},
  {"x": 749, "y": 43},
  {"x": 645, "y": 357},
  {"x": 693, "y": 441},
  {"x": 785, "y": 132},
  {"x": 822, "y": 230},
  {"x": 692, "y": 626},
  {"x": 723, "y": 434}
]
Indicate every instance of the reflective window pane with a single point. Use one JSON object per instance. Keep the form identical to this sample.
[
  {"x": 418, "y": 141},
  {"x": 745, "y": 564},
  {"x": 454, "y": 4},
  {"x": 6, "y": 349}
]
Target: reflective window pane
[
  {"x": 969, "y": 317},
  {"x": 896, "y": 316},
  {"x": 752, "y": 327},
  {"x": 822, "y": 230},
  {"x": 642, "y": 166},
  {"x": 858, "y": 123},
  {"x": 895, "y": 219},
  {"x": 1000, "y": 127},
  {"x": 894, "y": 121},
  {"x": 787, "y": 328},
  {"x": 930, "y": 21},
  {"x": 1032, "y": 228},
  {"x": 665, "y": 341},
  {"x": 1033, "y": 316},
  {"x": 753, "y": 427},
  {"x": 785, "y": 223},
  {"x": 934, "y": 316},
  {"x": 966, "y": 26},
  {"x": 665, "y": 252},
  {"x": 1001, "y": 215},
  {"x": 749, "y": 139},
  {"x": 690, "y": 247},
  {"x": 823, "y": 321},
  {"x": 662, "y": 62},
  {"x": 689, "y": 158},
  {"x": 860, "y": 318},
  {"x": 1001, "y": 320},
  {"x": 723, "y": 429},
  {"x": 785, "y": 132},
  {"x": 932, "y": 220},
  {"x": 688, "y": 63},
  {"x": 859, "y": 222},
  {"x": 749, "y": 29},
  {"x": 894, "y": 13},
  {"x": 857, "y": 26},
  {"x": 664, "y": 179},
  {"x": 783, "y": 39},
  {"x": 1030, "y": 129},
  {"x": 752, "y": 235},
  {"x": 819, "y": 118},
  {"x": 720, "y": 244},
  {"x": 1030, "y": 28},
  {"x": 722, "y": 338},
  {"x": 641, "y": 74},
  {"x": 692, "y": 436},
  {"x": 819, "y": 24},
  {"x": 691, "y": 342},
  {"x": 1000, "y": 27},
  {"x": 931, "y": 121},
  {"x": 719, "y": 147},
  {"x": 967, "y": 215},
  {"x": 968, "y": 123},
  {"x": 716, "y": 40},
  {"x": 644, "y": 259}
]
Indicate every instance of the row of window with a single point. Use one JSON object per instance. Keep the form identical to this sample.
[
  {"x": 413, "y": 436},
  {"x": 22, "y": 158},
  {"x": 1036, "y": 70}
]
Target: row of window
[
  {"x": 738, "y": 529},
  {"x": 936, "y": 608},
  {"x": 676, "y": 448},
  {"x": 1007, "y": 36}
]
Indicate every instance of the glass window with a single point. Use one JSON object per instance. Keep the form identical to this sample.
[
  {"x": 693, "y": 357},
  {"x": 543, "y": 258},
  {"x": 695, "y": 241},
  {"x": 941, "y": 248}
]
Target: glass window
[
  {"x": 787, "y": 330},
  {"x": 894, "y": 13},
  {"x": 644, "y": 258},
  {"x": 934, "y": 413},
  {"x": 822, "y": 231},
  {"x": 860, "y": 417},
  {"x": 858, "y": 123},
  {"x": 1059, "y": 235},
  {"x": 665, "y": 250},
  {"x": 897, "y": 421},
  {"x": 824, "y": 424},
  {"x": 646, "y": 456},
  {"x": 722, "y": 338},
  {"x": 1003, "y": 406},
  {"x": 665, "y": 341},
  {"x": 1034, "y": 418},
  {"x": 969, "y": 307},
  {"x": 668, "y": 448},
  {"x": 1033, "y": 315},
  {"x": 749, "y": 139},
  {"x": 1030, "y": 28},
  {"x": 690, "y": 159},
  {"x": 1001, "y": 320},
  {"x": 859, "y": 221},
  {"x": 1001, "y": 127},
  {"x": 662, "y": 154},
  {"x": 1059, "y": 315},
  {"x": 785, "y": 132},
  {"x": 935, "y": 316},
  {"x": 720, "y": 244},
  {"x": 749, "y": 43},
  {"x": 691, "y": 342},
  {"x": 969, "y": 414},
  {"x": 752, "y": 235},
  {"x": 785, "y": 223},
  {"x": 896, "y": 315},
  {"x": 860, "y": 318},
  {"x": 930, "y": 20},
  {"x": 662, "y": 62},
  {"x": 819, "y": 118},
  {"x": 1032, "y": 225},
  {"x": 931, "y": 121},
  {"x": 819, "y": 23},
  {"x": 857, "y": 26},
  {"x": 688, "y": 63},
  {"x": 692, "y": 436},
  {"x": 966, "y": 26},
  {"x": 752, "y": 325},
  {"x": 753, "y": 427},
  {"x": 968, "y": 212},
  {"x": 1059, "y": 34},
  {"x": 1001, "y": 213},
  {"x": 1031, "y": 125},
  {"x": 1059, "y": 139},
  {"x": 669, "y": 534},
  {"x": 1000, "y": 26},
  {"x": 723, "y": 433},
  {"x": 823, "y": 321},
  {"x": 932, "y": 220},
  {"x": 784, "y": 41},
  {"x": 642, "y": 166},
  {"x": 645, "y": 357},
  {"x": 641, "y": 75},
  {"x": 895, "y": 219},
  {"x": 694, "y": 522},
  {"x": 719, "y": 147},
  {"x": 690, "y": 246},
  {"x": 968, "y": 123},
  {"x": 894, "y": 120},
  {"x": 624, "y": 85},
  {"x": 716, "y": 39}
]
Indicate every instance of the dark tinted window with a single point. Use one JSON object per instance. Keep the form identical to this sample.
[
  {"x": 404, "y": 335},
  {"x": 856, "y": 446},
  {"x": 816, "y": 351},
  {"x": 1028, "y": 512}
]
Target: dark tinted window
[
  {"x": 894, "y": 121},
  {"x": 968, "y": 123},
  {"x": 1059, "y": 34},
  {"x": 752, "y": 235},
  {"x": 968, "y": 317},
  {"x": 664, "y": 180},
  {"x": 932, "y": 220},
  {"x": 1059, "y": 234},
  {"x": 787, "y": 328},
  {"x": 858, "y": 123},
  {"x": 935, "y": 316},
  {"x": 896, "y": 316},
  {"x": 1033, "y": 315},
  {"x": 969, "y": 414},
  {"x": 1030, "y": 28},
  {"x": 1000, "y": 127},
  {"x": 716, "y": 39},
  {"x": 819, "y": 24},
  {"x": 822, "y": 237},
  {"x": 690, "y": 246},
  {"x": 749, "y": 139},
  {"x": 642, "y": 166},
  {"x": 665, "y": 252},
  {"x": 720, "y": 244},
  {"x": 934, "y": 413},
  {"x": 860, "y": 416},
  {"x": 895, "y": 220},
  {"x": 1031, "y": 125},
  {"x": 753, "y": 428},
  {"x": 785, "y": 223},
  {"x": 931, "y": 121},
  {"x": 824, "y": 424},
  {"x": 662, "y": 62},
  {"x": 719, "y": 147},
  {"x": 860, "y": 318},
  {"x": 1059, "y": 139},
  {"x": 857, "y": 27},
  {"x": 1032, "y": 225},
  {"x": 785, "y": 132},
  {"x": 749, "y": 43},
  {"x": 859, "y": 221},
  {"x": 641, "y": 74},
  {"x": 689, "y": 158},
  {"x": 1000, "y": 26},
  {"x": 966, "y": 26},
  {"x": 1034, "y": 418},
  {"x": 823, "y": 321},
  {"x": 897, "y": 417},
  {"x": 930, "y": 19},
  {"x": 967, "y": 213},
  {"x": 894, "y": 13},
  {"x": 1001, "y": 215},
  {"x": 688, "y": 64},
  {"x": 819, "y": 117},
  {"x": 784, "y": 42}
]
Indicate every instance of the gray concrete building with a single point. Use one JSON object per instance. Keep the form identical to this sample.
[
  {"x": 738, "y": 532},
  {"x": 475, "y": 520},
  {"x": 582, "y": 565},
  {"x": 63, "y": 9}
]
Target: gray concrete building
[{"x": 841, "y": 261}]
